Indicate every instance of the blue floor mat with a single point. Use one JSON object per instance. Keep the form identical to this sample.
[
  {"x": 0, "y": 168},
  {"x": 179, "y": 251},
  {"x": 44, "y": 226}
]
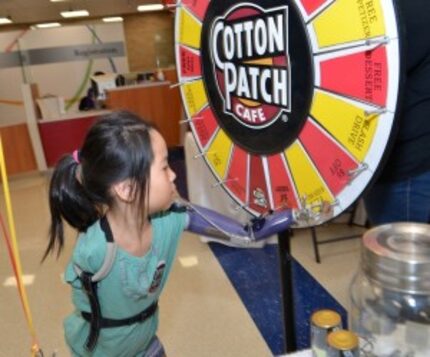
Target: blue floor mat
[{"x": 255, "y": 274}]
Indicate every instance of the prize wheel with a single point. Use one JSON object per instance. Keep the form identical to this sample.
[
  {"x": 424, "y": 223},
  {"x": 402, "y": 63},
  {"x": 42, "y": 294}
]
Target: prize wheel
[{"x": 291, "y": 102}]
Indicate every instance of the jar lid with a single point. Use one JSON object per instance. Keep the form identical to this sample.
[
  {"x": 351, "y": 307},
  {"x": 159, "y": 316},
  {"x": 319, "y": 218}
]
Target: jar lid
[
  {"x": 397, "y": 256},
  {"x": 342, "y": 340},
  {"x": 325, "y": 318}
]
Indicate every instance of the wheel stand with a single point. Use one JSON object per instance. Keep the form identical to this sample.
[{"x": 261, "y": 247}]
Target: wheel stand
[{"x": 287, "y": 292}]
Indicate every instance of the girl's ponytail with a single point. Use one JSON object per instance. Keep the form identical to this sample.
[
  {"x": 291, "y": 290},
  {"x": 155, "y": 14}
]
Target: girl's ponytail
[
  {"x": 69, "y": 201},
  {"x": 117, "y": 147}
]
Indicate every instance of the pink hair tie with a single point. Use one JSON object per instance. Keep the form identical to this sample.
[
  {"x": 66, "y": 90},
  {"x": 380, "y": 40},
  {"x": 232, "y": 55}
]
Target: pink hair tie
[{"x": 75, "y": 156}]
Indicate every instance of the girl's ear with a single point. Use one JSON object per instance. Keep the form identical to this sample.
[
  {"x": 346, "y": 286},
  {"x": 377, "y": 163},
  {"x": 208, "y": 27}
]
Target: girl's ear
[{"x": 124, "y": 191}]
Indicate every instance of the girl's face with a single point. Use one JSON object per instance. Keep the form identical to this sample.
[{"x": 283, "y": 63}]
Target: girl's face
[{"x": 162, "y": 190}]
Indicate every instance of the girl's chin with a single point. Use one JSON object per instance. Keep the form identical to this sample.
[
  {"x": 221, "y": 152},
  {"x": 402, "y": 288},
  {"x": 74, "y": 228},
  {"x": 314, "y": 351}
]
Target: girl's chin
[
  {"x": 168, "y": 205},
  {"x": 164, "y": 207}
]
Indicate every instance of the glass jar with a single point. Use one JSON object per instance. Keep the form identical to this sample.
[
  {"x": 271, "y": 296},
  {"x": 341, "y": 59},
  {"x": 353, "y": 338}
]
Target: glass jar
[{"x": 390, "y": 294}]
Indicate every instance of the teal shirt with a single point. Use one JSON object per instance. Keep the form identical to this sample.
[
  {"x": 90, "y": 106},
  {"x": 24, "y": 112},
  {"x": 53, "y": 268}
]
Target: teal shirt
[{"x": 132, "y": 285}]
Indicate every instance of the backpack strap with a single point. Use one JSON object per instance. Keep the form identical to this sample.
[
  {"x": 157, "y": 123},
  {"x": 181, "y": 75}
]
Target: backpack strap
[
  {"x": 89, "y": 284},
  {"x": 111, "y": 249},
  {"x": 138, "y": 318},
  {"x": 90, "y": 288}
]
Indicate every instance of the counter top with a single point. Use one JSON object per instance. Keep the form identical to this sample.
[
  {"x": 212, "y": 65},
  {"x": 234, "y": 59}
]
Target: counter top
[
  {"x": 75, "y": 115},
  {"x": 11, "y": 121},
  {"x": 144, "y": 84}
]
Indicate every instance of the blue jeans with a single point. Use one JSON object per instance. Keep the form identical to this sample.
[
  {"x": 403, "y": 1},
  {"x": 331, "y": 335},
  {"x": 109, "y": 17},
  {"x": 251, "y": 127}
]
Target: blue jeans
[
  {"x": 155, "y": 349},
  {"x": 403, "y": 201}
]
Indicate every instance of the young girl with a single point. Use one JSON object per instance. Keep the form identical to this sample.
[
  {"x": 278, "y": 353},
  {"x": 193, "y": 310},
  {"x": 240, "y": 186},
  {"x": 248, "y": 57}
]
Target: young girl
[{"x": 117, "y": 191}]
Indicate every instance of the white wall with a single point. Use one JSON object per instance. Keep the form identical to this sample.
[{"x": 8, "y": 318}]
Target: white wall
[{"x": 62, "y": 79}]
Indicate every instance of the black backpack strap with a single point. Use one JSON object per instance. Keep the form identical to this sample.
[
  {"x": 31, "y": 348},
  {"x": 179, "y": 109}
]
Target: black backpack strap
[
  {"x": 89, "y": 284},
  {"x": 90, "y": 288},
  {"x": 109, "y": 259},
  {"x": 138, "y": 318}
]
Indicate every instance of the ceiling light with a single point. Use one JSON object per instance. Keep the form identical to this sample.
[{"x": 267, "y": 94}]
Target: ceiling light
[
  {"x": 59, "y": 0},
  {"x": 5, "y": 20},
  {"x": 47, "y": 25},
  {"x": 112, "y": 19},
  {"x": 74, "y": 13},
  {"x": 150, "y": 7}
]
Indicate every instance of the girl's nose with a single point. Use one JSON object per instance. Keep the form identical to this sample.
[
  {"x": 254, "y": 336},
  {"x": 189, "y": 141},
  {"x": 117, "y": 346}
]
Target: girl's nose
[{"x": 172, "y": 175}]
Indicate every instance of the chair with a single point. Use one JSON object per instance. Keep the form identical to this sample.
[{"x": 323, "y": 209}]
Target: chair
[{"x": 351, "y": 211}]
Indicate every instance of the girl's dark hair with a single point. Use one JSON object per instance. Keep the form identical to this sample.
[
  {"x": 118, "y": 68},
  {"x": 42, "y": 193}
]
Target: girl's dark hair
[{"x": 116, "y": 148}]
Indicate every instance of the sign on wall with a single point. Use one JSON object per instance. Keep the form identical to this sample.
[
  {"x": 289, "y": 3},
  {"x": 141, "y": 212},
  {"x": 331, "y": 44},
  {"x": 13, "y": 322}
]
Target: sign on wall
[{"x": 61, "y": 54}]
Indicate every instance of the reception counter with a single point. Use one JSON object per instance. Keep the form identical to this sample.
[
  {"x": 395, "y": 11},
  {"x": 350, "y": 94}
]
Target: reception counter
[
  {"x": 17, "y": 148},
  {"x": 155, "y": 101},
  {"x": 38, "y": 143},
  {"x": 64, "y": 134}
]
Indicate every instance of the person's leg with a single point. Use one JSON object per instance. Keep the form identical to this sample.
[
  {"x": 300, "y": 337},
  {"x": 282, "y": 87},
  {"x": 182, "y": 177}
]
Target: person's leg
[
  {"x": 387, "y": 202},
  {"x": 155, "y": 349},
  {"x": 404, "y": 201},
  {"x": 419, "y": 199}
]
